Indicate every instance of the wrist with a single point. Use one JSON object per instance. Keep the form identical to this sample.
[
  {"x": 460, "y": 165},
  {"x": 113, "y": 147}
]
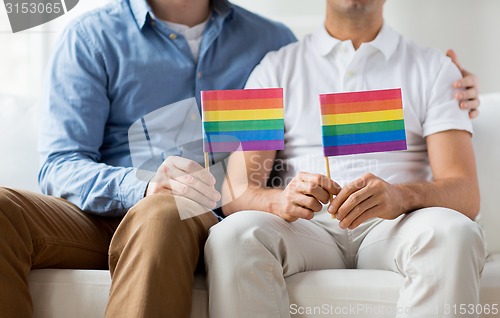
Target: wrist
[
  {"x": 274, "y": 208},
  {"x": 271, "y": 199},
  {"x": 408, "y": 198}
]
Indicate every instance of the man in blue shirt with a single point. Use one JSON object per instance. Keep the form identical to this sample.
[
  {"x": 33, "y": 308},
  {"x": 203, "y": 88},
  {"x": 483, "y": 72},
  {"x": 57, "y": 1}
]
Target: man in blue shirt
[{"x": 111, "y": 68}]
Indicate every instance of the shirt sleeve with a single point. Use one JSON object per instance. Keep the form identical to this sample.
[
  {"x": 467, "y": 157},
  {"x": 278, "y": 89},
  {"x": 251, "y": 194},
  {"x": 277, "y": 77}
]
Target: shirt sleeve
[
  {"x": 443, "y": 112},
  {"x": 74, "y": 112},
  {"x": 264, "y": 74}
]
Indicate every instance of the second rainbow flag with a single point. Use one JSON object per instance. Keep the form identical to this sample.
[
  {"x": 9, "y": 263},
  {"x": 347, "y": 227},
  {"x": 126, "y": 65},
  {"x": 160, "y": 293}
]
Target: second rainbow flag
[{"x": 362, "y": 122}]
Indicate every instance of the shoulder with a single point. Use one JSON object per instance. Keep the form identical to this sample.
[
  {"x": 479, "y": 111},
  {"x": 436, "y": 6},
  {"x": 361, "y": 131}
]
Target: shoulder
[
  {"x": 278, "y": 66},
  {"x": 111, "y": 19},
  {"x": 257, "y": 26},
  {"x": 288, "y": 56},
  {"x": 430, "y": 61}
]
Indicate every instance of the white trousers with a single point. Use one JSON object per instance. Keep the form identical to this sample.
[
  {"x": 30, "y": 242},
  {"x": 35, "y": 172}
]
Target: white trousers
[{"x": 439, "y": 252}]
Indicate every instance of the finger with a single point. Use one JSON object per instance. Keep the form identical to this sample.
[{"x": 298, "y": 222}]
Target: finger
[
  {"x": 352, "y": 202},
  {"x": 470, "y": 104},
  {"x": 294, "y": 212},
  {"x": 158, "y": 187},
  {"x": 356, "y": 212},
  {"x": 454, "y": 58},
  {"x": 468, "y": 80},
  {"x": 474, "y": 113},
  {"x": 160, "y": 182},
  {"x": 468, "y": 94},
  {"x": 367, "y": 215},
  {"x": 187, "y": 192},
  {"x": 311, "y": 189},
  {"x": 344, "y": 194},
  {"x": 308, "y": 202},
  {"x": 178, "y": 166},
  {"x": 323, "y": 181},
  {"x": 203, "y": 188}
]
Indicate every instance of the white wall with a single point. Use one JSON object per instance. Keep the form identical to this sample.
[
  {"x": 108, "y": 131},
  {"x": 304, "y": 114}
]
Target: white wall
[
  {"x": 470, "y": 27},
  {"x": 24, "y": 55}
]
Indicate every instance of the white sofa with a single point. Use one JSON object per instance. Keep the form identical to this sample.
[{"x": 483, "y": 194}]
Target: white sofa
[{"x": 84, "y": 293}]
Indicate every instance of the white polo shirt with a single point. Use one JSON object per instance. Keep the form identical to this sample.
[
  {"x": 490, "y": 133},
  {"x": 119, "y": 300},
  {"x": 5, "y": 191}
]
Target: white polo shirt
[{"x": 322, "y": 64}]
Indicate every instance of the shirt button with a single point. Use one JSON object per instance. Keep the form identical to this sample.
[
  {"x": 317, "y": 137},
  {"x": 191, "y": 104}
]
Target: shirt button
[
  {"x": 200, "y": 75},
  {"x": 153, "y": 23},
  {"x": 350, "y": 74},
  {"x": 172, "y": 36}
]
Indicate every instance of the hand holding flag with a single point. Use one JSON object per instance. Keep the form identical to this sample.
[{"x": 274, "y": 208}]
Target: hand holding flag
[{"x": 362, "y": 122}]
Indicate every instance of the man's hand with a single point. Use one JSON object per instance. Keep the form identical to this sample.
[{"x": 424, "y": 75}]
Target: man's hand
[
  {"x": 469, "y": 97},
  {"x": 366, "y": 198},
  {"x": 303, "y": 196},
  {"x": 185, "y": 178}
]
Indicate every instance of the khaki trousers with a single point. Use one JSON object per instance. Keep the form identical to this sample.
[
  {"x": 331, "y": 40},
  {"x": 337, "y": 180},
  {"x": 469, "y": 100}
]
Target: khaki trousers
[{"x": 152, "y": 254}]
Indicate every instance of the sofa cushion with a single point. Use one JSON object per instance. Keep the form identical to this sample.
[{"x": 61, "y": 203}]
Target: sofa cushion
[
  {"x": 63, "y": 293},
  {"x": 368, "y": 293},
  {"x": 84, "y": 293}
]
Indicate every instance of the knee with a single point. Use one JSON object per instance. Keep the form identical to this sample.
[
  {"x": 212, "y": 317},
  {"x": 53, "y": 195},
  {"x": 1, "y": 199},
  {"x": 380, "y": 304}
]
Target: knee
[
  {"x": 242, "y": 230},
  {"x": 158, "y": 207},
  {"x": 5, "y": 199},
  {"x": 156, "y": 220},
  {"x": 161, "y": 215},
  {"x": 166, "y": 209},
  {"x": 12, "y": 219},
  {"x": 452, "y": 231},
  {"x": 11, "y": 203},
  {"x": 5, "y": 202}
]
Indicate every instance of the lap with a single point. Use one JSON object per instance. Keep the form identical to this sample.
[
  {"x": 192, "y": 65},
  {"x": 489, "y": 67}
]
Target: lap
[
  {"x": 301, "y": 245},
  {"x": 172, "y": 213},
  {"x": 59, "y": 233},
  {"x": 389, "y": 238}
]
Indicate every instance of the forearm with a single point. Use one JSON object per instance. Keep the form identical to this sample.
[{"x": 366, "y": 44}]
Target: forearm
[
  {"x": 255, "y": 198},
  {"x": 93, "y": 187},
  {"x": 459, "y": 193}
]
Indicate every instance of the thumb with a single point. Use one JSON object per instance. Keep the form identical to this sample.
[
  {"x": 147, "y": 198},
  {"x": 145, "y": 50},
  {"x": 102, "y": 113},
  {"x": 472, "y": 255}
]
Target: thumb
[{"x": 454, "y": 58}]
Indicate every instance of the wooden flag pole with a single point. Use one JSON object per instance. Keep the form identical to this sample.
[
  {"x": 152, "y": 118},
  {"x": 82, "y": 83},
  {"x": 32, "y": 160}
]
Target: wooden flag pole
[
  {"x": 207, "y": 161},
  {"x": 327, "y": 164}
]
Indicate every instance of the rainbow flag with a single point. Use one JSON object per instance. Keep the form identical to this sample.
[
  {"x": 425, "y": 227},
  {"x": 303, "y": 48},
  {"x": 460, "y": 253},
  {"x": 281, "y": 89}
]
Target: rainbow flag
[
  {"x": 362, "y": 122},
  {"x": 243, "y": 120}
]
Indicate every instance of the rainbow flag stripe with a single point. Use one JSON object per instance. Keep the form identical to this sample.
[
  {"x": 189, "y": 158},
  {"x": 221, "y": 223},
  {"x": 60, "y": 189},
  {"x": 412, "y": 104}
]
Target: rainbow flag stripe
[
  {"x": 362, "y": 122},
  {"x": 243, "y": 120}
]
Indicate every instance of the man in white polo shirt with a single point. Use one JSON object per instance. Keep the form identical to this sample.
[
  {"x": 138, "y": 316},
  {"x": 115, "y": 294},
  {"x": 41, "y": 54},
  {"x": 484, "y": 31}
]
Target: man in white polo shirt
[{"x": 410, "y": 212}]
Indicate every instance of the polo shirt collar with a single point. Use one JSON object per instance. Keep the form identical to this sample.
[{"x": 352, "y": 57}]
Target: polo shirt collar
[
  {"x": 142, "y": 11},
  {"x": 324, "y": 42},
  {"x": 386, "y": 41}
]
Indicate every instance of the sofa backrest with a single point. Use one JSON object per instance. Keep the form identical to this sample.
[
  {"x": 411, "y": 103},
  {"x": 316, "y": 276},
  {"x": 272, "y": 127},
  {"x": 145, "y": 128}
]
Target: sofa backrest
[
  {"x": 18, "y": 142},
  {"x": 487, "y": 148}
]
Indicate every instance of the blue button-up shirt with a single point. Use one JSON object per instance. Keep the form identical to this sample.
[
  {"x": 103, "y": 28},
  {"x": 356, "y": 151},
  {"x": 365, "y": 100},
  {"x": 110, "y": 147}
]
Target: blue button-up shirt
[{"x": 117, "y": 64}]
